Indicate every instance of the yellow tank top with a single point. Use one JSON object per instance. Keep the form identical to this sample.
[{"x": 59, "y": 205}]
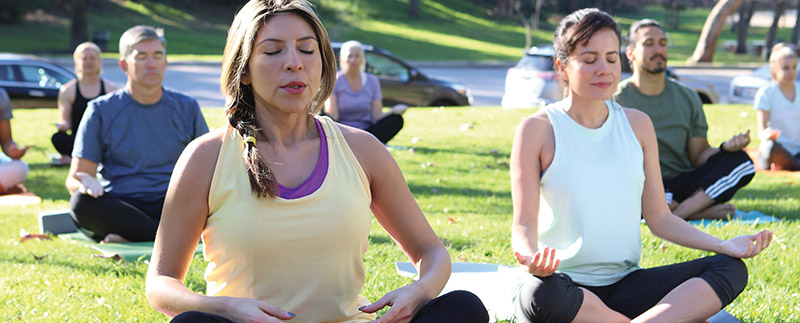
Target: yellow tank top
[{"x": 302, "y": 255}]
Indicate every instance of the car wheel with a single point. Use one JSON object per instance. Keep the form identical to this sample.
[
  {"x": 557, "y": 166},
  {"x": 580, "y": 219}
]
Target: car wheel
[
  {"x": 443, "y": 103},
  {"x": 704, "y": 98}
]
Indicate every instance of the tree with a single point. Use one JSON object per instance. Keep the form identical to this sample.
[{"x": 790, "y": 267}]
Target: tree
[
  {"x": 746, "y": 11},
  {"x": 80, "y": 24},
  {"x": 413, "y": 8},
  {"x": 11, "y": 11},
  {"x": 796, "y": 30},
  {"x": 704, "y": 52},
  {"x": 778, "y": 7},
  {"x": 503, "y": 8}
]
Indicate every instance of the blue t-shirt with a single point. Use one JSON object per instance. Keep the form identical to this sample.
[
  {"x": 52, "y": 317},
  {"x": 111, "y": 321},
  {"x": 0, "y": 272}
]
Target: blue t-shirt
[{"x": 137, "y": 145}]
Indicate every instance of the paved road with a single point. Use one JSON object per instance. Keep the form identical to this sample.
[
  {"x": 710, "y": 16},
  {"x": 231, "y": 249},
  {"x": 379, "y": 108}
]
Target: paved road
[{"x": 201, "y": 80}]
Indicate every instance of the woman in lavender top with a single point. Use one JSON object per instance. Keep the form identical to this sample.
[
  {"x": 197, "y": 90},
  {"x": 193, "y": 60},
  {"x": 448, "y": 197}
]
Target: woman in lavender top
[{"x": 356, "y": 99}]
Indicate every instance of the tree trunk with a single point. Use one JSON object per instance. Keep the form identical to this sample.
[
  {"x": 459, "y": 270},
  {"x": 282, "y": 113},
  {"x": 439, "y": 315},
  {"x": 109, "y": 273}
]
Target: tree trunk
[
  {"x": 503, "y": 8},
  {"x": 796, "y": 30},
  {"x": 528, "y": 26},
  {"x": 746, "y": 11},
  {"x": 80, "y": 24},
  {"x": 704, "y": 52},
  {"x": 778, "y": 7},
  {"x": 413, "y": 8},
  {"x": 538, "y": 12}
]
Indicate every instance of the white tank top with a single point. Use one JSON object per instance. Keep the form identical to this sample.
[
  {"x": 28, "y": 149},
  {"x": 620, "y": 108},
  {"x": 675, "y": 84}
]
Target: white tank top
[{"x": 591, "y": 197}]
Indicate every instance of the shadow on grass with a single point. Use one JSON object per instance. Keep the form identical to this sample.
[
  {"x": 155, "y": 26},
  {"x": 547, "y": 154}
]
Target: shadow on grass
[
  {"x": 458, "y": 244},
  {"x": 430, "y": 190},
  {"x": 380, "y": 239},
  {"x": 431, "y": 151}
]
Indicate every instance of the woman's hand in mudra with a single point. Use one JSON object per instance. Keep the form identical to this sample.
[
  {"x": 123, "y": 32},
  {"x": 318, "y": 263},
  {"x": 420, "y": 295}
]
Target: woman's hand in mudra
[{"x": 542, "y": 264}]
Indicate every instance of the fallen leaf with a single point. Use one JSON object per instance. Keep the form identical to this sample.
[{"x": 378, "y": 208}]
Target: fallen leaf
[
  {"x": 114, "y": 257},
  {"x": 30, "y": 236}
]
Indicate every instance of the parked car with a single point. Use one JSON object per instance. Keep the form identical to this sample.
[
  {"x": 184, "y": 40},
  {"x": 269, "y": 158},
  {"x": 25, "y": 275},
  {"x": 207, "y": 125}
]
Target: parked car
[
  {"x": 533, "y": 82},
  {"x": 30, "y": 81},
  {"x": 402, "y": 83},
  {"x": 743, "y": 87}
]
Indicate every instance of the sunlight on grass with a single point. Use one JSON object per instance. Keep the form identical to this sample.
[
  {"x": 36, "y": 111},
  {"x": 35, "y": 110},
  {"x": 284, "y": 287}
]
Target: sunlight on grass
[{"x": 438, "y": 38}]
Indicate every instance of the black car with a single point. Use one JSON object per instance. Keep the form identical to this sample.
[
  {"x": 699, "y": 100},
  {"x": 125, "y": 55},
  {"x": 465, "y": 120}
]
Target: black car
[
  {"x": 30, "y": 81},
  {"x": 402, "y": 83}
]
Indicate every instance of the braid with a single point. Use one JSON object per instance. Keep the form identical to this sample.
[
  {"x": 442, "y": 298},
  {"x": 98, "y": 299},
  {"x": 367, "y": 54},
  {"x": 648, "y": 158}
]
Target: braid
[{"x": 262, "y": 181}]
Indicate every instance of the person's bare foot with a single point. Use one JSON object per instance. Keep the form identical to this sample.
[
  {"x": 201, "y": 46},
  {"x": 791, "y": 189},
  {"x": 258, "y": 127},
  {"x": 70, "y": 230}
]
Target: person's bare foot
[
  {"x": 714, "y": 212},
  {"x": 114, "y": 238}
]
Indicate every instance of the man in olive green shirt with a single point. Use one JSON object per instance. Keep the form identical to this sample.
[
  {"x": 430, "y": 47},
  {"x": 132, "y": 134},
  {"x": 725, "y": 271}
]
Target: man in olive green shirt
[{"x": 698, "y": 179}]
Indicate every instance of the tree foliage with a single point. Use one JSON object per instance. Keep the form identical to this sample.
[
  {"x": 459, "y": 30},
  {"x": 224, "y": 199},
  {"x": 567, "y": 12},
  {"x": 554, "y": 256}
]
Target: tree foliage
[{"x": 12, "y": 11}]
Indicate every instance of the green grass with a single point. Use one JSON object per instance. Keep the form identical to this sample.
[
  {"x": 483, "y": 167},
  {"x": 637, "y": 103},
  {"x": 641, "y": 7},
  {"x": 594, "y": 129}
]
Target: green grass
[
  {"x": 446, "y": 30},
  {"x": 460, "y": 179}
]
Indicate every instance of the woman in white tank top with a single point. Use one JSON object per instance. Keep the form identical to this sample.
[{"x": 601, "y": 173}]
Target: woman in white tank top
[{"x": 583, "y": 172}]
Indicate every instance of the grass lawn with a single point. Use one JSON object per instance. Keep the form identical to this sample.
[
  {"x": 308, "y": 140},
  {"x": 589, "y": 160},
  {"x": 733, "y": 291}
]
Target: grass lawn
[
  {"x": 446, "y": 30},
  {"x": 460, "y": 178}
]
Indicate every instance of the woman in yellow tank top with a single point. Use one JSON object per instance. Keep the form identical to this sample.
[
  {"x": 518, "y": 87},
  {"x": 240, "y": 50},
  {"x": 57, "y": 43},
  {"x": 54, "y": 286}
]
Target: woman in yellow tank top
[{"x": 282, "y": 199}]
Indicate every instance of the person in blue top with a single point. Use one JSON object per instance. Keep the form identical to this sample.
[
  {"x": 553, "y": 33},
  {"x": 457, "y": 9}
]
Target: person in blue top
[
  {"x": 583, "y": 172},
  {"x": 133, "y": 137},
  {"x": 778, "y": 111}
]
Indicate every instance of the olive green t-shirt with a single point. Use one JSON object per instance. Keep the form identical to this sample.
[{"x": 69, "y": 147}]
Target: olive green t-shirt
[{"x": 677, "y": 115}]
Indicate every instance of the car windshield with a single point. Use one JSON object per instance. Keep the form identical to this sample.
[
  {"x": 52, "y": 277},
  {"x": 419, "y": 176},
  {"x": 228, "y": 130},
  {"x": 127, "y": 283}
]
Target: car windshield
[
  {"x": 536, "y": 62},
  {"x": 5, "y": 73},
  {"x": 385, "y": 68},
  {"x": 42, "y": 76}
]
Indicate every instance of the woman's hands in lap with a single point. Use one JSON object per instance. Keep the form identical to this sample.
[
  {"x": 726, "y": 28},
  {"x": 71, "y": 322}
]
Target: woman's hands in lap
[{"x": 404, "y": 304}]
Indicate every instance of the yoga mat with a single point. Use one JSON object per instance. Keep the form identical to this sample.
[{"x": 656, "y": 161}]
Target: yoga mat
[
  {"x": 26, "y": 198},
  {"x": 129, "y": 251},
  {"x": 743, "y": 217},
  {"x": 495, "y": 285}
]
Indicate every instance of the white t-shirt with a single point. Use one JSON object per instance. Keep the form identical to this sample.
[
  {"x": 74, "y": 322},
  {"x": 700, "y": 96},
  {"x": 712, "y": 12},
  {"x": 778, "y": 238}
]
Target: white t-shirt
[{"x": 784, "y": 115}]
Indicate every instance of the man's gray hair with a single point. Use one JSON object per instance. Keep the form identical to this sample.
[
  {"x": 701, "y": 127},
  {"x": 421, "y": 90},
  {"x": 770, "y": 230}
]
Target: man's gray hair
[
  {"x": 138, "y": 34},
  {"x": 632, "y": 36}
]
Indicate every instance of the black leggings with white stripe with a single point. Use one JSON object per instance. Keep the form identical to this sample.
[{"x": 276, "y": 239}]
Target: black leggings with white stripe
[{"x": 723, "y": 174}]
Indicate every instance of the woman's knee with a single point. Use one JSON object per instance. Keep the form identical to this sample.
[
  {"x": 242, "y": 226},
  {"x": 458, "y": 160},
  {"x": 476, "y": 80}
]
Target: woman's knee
[
  {"x": 551, "y": 299},
  {"x": 13, "y": 173},
  {"x": 195, "y": 316},
  {"x": 727, "y": 277}
]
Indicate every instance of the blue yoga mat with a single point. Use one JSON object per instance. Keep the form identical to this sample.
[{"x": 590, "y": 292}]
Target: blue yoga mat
[{"x": 743, "y": 217}]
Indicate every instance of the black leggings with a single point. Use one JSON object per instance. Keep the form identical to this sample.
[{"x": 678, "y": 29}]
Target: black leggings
[
  {"x": 457, "y": 306},
  {"x": 388, "y": 127},
  {"x": 132, "y": 219},
  {"x": 63, "y": 142},
  {"x": 557, "y": 298}
]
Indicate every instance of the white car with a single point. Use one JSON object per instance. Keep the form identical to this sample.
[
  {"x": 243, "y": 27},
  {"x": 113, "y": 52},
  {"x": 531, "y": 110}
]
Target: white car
[
  {"x": 533, "y": 83},
  {"x": 743, "y": 87}
]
